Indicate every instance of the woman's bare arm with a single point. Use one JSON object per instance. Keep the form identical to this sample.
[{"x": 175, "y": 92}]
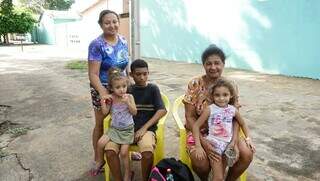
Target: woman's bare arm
[
  {"x": 197, "y": 125},
  {"x": 105, "y": 108},
  {"x": 190, "y": 114},
  {"x": 93, "y": 72},
  {"x": 242, "y": 124}
]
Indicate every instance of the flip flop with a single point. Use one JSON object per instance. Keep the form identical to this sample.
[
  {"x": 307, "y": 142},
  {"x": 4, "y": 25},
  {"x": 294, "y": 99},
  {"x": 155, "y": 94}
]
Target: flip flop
[
  {"x": 135, "y": 156},
  {"x": 96, "y": 170}
]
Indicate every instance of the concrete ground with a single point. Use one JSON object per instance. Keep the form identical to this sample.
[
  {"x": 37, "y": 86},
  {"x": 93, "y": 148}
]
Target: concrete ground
[{"x": 47, "y": 133}]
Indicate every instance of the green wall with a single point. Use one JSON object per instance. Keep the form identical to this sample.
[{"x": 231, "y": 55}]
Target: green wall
[{"x": 270, "y": 36}]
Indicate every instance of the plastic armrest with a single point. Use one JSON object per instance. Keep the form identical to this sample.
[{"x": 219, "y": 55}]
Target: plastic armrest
[{"x": 184, "y": 157}]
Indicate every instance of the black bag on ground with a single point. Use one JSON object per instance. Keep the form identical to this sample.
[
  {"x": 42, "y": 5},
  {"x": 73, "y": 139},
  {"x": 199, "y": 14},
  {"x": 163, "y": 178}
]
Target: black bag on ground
[{"x": 180, "y": 171}]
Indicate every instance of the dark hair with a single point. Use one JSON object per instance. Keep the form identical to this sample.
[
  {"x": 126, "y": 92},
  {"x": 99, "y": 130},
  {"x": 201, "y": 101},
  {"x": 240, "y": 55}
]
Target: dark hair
[
  {"x": 138, "y": 63},
  {"x": 213, "y": 50},
  {"x": 221, "y": 82},
  {"x": 105, "y": 12},
  {"x": 114, "y": 73}
]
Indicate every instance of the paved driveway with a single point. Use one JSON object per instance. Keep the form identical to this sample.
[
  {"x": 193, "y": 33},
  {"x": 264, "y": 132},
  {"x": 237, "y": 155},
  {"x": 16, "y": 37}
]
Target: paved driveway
[{"x": 53, "y": 104}]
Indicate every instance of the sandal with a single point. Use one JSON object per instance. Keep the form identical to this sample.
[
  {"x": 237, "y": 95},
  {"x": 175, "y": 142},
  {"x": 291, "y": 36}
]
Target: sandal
[
  {"x": 135, "y": 156},
  {"x": 96, "y": 169}
]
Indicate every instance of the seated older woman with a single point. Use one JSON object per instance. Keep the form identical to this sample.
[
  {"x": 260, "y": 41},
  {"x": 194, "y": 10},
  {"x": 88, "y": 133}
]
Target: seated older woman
[{"x": 196, "y": 98}]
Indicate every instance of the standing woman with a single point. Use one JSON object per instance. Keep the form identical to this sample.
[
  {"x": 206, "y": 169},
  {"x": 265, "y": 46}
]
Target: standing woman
[{"x": 108, "y": 50}]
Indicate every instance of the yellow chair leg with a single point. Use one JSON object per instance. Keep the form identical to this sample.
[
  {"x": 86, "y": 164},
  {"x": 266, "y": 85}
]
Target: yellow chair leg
[
  {"x": 106, "y": 172},
  {"x": 243, "y": 177}
]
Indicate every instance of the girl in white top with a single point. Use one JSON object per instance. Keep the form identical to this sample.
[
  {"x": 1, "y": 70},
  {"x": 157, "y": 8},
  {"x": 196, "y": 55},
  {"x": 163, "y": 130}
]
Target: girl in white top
[{"x": 219, "y": 117}]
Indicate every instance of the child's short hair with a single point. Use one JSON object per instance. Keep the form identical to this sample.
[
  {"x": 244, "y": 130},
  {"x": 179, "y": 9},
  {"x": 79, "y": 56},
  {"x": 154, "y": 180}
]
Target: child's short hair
[
  {"x": 138, "y": 63},
  {"x": 221, "y": 82},
  {"x": 114, "y": 73}
]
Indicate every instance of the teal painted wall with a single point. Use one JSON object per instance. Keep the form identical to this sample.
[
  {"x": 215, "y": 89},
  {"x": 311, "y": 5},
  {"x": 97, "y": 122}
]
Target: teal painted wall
[
  {"x": 46, "y": 31},
  {"x": 270, "y": 36},
  {"x": 60, "y": 21}
]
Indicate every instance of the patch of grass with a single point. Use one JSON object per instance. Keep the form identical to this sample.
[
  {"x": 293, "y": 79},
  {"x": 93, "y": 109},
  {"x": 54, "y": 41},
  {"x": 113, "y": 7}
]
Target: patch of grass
[
  {"x": 78, "y": 65},
  {"x": 18, "y": 131},
  {"x": 3, "y": 153}
]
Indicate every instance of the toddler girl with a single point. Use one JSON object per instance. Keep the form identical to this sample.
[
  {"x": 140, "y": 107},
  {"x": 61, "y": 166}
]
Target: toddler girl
[{"x": 121, "y": 131}]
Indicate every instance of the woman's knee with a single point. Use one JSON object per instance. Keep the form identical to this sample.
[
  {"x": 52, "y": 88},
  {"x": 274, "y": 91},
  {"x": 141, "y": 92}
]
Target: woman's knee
[
  {"x": 246, "y": 155},
  {"x": 200, "y": 166}
]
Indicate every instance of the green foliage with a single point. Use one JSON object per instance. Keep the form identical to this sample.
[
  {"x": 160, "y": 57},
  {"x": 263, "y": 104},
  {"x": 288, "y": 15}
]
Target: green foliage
[
  {"x": 77, "y": 64},
  {"x": 58, "y": 4},
  {"x": 18, "y": 131},
  {"x": 6, "y": 7},
  {"x": 38, "y": 6},
  {"x": 3, "y": 153},
  {"x": 23, "y": 21},
  {"x": 14, "y": 20}
]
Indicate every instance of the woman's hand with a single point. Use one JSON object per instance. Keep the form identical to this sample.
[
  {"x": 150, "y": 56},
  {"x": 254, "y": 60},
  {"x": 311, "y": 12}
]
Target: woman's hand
[
  {"x": 250, "y": 144},
  {"x": 105, "y": 96},
  {"x": 200, "y": 153}
]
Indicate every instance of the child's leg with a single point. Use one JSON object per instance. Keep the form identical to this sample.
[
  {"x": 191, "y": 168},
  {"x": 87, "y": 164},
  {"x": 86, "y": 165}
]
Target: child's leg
[
  {"x": 99, "y": 162},
  {"x": 147, "y": 146},
  {"x": 124, "y": 154},
  {"x": 100, "y": 151},
  {"x": 218, "y": 169},
  {"x": 112, "y": 154}
]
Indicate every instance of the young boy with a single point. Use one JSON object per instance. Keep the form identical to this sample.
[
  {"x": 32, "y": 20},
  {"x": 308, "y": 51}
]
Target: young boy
[{"x": 150, "y": 109}]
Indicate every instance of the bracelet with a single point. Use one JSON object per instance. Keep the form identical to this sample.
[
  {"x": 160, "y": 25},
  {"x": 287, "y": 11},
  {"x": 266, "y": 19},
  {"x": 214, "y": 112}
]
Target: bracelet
[{"x": 247, "y": 138}]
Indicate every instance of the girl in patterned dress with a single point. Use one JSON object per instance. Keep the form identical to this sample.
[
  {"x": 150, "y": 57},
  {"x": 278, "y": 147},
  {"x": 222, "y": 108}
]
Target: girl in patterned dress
[{"x": 219, "y": 117}]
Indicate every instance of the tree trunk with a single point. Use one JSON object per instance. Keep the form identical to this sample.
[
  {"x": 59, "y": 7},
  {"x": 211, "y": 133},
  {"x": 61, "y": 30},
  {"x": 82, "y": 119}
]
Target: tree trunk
[
  {"x": 1, "y": 38},
  {"x": 6, "y": 39}
]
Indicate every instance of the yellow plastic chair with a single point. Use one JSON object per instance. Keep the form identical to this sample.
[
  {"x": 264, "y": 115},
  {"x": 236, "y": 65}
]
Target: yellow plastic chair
[
  {"x": 184, "y": 157},
  {"x": 159, "y": 150}
]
